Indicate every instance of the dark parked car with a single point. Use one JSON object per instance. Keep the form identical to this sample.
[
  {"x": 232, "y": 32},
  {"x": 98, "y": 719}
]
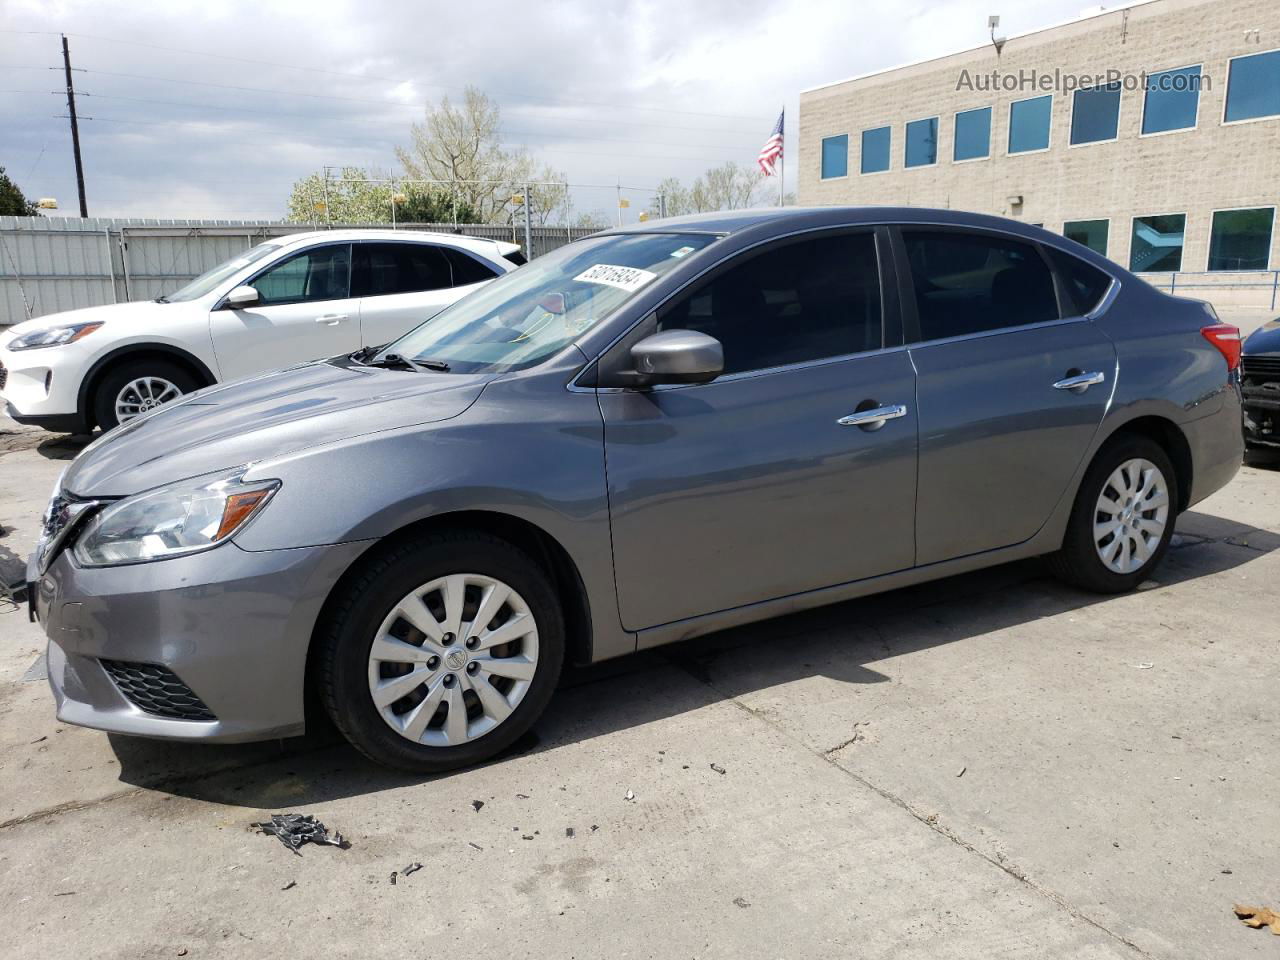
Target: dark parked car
[
  {"x": 1261, "y": 363},
  {"x": 648, "y": 435}
]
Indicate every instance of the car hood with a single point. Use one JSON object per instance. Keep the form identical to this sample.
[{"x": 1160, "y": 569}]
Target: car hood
[
  {"x": 1266, "y": 339},
  {"x": 226, "y": 426},
  {"x": 146, "y": 312}
]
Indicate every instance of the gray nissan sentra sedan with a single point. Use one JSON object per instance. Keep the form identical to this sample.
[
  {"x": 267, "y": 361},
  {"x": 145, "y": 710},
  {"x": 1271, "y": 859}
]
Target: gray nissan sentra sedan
[{"x": 644, "y": 436}]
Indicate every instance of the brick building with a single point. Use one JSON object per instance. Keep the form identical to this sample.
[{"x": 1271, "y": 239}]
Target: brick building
[{"x": 1149, "y": 132}]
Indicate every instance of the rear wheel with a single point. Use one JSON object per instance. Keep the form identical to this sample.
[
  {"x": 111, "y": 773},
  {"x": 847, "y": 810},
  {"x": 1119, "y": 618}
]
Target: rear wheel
[
  {"x": 442, "y": 652},
  {"x": 1123, "y": 517},
  {"x": 138, "y": 386}
]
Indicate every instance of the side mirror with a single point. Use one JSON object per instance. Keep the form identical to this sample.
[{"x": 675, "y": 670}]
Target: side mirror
[
  {"x": 241, "y": 297},
  {"x": 678, "y": 356}
]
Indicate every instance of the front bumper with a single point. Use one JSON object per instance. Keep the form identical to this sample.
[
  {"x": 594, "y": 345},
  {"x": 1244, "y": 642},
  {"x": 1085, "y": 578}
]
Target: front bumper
[
  {"x": 234, "y": 626},
  {"x": 42, "y": 387},
  {"x": 1262, "y": 416}
]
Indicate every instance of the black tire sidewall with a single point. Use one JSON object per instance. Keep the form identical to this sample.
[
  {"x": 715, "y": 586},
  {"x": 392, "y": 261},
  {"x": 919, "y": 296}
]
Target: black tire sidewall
[
  {"x": 104, "y": 395},
  {"x": 1079, "y": 552},
  {"x": 345, "y": 653}
]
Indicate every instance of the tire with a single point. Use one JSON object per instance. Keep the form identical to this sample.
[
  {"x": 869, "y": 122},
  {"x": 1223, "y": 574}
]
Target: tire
[
  {"x": 1080, "y": 561},
  {"x": 373, "y": 598},
  {"x": 156, "y": 370}
]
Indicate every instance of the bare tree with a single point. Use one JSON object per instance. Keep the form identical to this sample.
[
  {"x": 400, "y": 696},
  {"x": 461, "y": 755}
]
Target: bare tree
[
  {"x": 462, "y": 144},
  {"x": 728, "y": 187}
]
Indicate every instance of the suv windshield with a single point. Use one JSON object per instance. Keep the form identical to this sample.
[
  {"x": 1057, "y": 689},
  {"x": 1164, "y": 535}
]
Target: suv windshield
[
  {"x": 526, "y": 316},
  {"x": 211, "y": 278}
]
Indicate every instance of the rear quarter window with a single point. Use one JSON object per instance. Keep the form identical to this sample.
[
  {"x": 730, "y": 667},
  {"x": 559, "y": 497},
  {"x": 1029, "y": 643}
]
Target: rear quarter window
[
  {"x": 1085, "y": 284},
  {"x": 467, "y": 269}
]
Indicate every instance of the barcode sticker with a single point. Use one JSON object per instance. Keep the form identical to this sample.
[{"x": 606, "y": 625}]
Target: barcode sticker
[{"x": 624, "y": 278}]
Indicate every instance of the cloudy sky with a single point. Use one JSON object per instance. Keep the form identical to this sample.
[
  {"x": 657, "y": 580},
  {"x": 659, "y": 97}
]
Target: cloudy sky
[{"x": 214, "y": 108}]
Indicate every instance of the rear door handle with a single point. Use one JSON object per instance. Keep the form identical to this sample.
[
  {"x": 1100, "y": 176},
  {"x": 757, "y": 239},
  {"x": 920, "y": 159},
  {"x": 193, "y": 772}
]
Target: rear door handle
[
  {"x": 331, "y": 319},
  {"x": 875, "y": 418},
  {"x": 1080, "y": 382}
]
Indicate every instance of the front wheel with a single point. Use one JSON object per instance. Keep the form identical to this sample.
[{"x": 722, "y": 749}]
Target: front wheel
[
  {"x": 442, "y": 652},
  {"x": 136, "y": 387},
  {"x": 1123, "y": 517}
]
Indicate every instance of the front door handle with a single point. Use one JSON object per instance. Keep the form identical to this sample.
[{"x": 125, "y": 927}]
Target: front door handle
[
  {"x": 331, "y": 319},
  {"x": 1080, "y": 382},
  {"x": 874, "y": 418}
]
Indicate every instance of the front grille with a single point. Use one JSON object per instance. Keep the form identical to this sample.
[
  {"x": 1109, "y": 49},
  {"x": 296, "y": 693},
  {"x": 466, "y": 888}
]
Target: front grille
[
  {"x": 156, "y": 690},
  {"x": 1261, "y": 369}
]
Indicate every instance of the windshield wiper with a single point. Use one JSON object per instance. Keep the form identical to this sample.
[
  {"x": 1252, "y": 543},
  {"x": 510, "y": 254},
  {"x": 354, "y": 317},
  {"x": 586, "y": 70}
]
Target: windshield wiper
[
  {"x": 398, "y": 360},
  {"x": 162, "y": 299}
]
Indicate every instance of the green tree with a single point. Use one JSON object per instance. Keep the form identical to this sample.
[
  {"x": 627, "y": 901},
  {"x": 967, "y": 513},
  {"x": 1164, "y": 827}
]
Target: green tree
[
  {"x": 12, "y": 201},
  {"x": 342, "y": 199},
  {"x": 424, "y": 204}
]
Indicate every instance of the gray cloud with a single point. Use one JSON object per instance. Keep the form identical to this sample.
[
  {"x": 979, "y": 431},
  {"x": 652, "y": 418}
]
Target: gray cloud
[{"x": 575, "y": 81}]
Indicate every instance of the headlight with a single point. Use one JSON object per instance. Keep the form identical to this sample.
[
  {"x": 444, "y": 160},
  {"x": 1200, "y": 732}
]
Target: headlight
[
  {"x": 172, "y": 521},
  {"x": 52, "y": 336}
]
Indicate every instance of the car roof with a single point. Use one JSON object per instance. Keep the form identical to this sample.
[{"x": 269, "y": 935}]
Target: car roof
[
  {"x": 782, "y": 218},
  {"x": 477, "y": 244}
]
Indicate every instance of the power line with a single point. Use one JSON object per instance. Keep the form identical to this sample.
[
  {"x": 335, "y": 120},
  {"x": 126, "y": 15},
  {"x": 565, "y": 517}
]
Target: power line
[{"x": 398, "y": 80}]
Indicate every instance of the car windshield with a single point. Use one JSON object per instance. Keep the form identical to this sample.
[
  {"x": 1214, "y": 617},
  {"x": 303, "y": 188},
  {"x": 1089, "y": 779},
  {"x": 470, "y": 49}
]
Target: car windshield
[
  {"x": 211, "y": 278},
  {"x": 527, "y": 315}
]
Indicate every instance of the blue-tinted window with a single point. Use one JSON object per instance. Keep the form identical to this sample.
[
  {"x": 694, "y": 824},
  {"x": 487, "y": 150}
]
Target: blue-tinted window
[
  {"x": 1172, "y": 99},
  {"x": 1241, "y": 239},
  {"x": 973, "y": 134},
  {"x": 1029, "y": 124},
  {"x": 1156, "y": 245},
  {"x": 1253, "y": 88},
  {"x": 1095, "y": 114},
  {"x": 835, "y": 156},
  {"x": 1091, "y": 233},
  {"x": 875, "y": 150},
  {"x": 922, "y": 142}
]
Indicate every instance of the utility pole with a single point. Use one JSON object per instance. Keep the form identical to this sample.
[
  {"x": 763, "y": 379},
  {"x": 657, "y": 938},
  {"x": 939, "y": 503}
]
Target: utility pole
[{"x": 75, "y": 129}]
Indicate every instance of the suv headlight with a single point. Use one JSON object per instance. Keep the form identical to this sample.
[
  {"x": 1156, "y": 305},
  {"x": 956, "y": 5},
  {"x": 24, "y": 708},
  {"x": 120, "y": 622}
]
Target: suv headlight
[
  {"x": 172, "y": 521},
  {"x": 52, "y": 336}
]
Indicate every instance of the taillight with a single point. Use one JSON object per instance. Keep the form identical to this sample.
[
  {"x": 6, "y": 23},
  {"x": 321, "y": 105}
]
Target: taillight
[{"x": 1227, "y": 339}]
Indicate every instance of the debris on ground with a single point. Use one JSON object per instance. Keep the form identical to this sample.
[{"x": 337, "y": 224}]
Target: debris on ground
[
  {"x": 394, "y": 875},
  {"x": 568, "y": 832},
  {"x": 526, "y": 836},
  {"x": 960, "y": 772},
  {"x": 522, "y": 796},
  {"x": 1143, "y": 666},
  {"x": 718, "y": 769},
  {"x": 476, "y": 845},
  {"x": 411, "y": 868},
  {"x": 476, "y": 805},
  {"x": 295, "y": 829},
  {"x": 290, "y": 885},
  {"x": 629, "y": 796},
  {"x": 1258, "y": 917},
  {"x": 595, "y": 827},
  {"x": 740, "y": 902}
]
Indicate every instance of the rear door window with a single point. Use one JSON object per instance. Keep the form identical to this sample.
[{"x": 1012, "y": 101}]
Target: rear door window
[
  {"x": 388, "y": 268},
  {"x": 967, "y": 283},
  {"x": 466, "y": 268}
]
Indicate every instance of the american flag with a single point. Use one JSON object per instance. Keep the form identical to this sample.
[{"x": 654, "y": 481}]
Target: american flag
[{"x": 771, "y": 152}]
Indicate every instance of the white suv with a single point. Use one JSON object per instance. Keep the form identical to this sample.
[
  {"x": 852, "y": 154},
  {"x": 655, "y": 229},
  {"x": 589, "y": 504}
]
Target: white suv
[{"x": 291, "y": 299}]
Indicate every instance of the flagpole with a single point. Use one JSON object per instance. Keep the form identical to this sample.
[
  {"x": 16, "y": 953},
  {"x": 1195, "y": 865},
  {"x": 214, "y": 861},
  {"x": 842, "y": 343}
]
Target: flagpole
[{"x": 782, "y": 157}]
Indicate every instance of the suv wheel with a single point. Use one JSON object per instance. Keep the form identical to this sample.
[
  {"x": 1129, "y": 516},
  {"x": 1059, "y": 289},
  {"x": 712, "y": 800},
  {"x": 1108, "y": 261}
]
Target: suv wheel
[
  {"x": 136, "y": 387},
  {"x": 1123, "y": 518},
  {"x": 442, "y": 652}
]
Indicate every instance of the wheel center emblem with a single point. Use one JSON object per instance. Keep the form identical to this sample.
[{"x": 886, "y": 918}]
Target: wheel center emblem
[{"x": 455, "y": 659}]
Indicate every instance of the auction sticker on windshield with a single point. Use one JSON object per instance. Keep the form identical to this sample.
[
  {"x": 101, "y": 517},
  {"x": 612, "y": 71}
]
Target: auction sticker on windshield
[{"x": 624, "y": 278}]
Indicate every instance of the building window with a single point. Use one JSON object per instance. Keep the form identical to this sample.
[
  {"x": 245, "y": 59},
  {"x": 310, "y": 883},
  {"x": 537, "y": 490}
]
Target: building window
[
  {"x": 1029, "y": 124},
  {"x": 875, "y": 150},
  {"x": 1089, "y": 233},
  {"x": 1172, "y": 100},
  {"x": 973, "y": 134},
  {"x": 835, "y": 157},
  {"x": 1241, "y": 239},
  {"x": 922, "y": 142},
  {"x": 1095, "y": 114},
  {"x": 1156, "y": 245},
  {"x": 1253, "y": 87}
]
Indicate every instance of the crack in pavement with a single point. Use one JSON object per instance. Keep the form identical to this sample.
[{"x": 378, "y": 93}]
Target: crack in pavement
[{"x": 931, "y": 821}]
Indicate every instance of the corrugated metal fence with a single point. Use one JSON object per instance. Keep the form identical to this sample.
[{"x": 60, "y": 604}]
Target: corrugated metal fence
[{"x": 50, "y": 264}]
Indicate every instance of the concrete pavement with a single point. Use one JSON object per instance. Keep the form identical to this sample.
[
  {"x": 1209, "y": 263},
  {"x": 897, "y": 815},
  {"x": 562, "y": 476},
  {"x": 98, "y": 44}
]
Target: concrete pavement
[{"x": 990, "y": 766}]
